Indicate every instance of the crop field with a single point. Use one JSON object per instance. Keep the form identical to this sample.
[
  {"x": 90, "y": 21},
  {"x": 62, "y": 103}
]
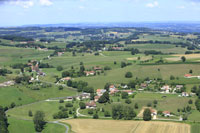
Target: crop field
[
  {"x": 114, "y": 126},
  {"x": 187, "y": 56}
]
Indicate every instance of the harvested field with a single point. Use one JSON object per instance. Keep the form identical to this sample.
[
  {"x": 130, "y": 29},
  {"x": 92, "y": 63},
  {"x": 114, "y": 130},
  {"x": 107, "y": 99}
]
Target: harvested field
[
  {"x": 177, "y": 57},
  {"x": 116, "y": 126},
  {"x": 141, "y": 58}
]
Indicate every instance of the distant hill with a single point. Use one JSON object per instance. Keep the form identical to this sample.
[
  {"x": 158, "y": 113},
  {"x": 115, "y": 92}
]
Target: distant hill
[{"x": 170, "y": 26}]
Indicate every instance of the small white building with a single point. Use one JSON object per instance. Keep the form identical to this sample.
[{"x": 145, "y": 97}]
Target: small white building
[{"x": 185, "y": 94}]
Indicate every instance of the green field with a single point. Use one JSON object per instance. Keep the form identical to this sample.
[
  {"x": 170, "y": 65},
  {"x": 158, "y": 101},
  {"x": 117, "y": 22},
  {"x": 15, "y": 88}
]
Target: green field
[
  {"x": 49, "y": 108},
  {"x": 12, "y": 55},
  {"x": 24, "y": 126},
  {"x": 12, "y": 94}
]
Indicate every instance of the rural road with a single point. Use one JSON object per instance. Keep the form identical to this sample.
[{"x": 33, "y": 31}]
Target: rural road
[{"x": 57, "y": 122}]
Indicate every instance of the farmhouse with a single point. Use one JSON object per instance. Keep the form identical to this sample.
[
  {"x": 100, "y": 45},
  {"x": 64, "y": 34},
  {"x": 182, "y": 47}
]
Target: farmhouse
[
  {"x": 143, "y": 85},
  {"x": 100, "y": 92},
  {"x": 111, "y": 87},
  {"x": 153, "y": 113},
  {"x": 83, "y": 96},
  {"x": 66, "y": 79},
  {"x": 178, "y": 87},
  {"x": 88, "y": 73},
  {"x": 188, "y": 76},
  {"x": 166, "y": 113},
  {"x": 91, "y": 105},
  {"x": 60, "y": 53},
  {"x": 96, "y": 98},
  {"x": 166, "y": 88},
  {"x": 69, "y": 99},
  {"x": 41, "y": 73},
  {"x": 113, "y": 91},
  {"x": 97, "y": 68},
  {"x": 35, "y": 68}
]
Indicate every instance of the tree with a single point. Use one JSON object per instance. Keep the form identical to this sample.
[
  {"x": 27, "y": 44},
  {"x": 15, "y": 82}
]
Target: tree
[
  {"x": 69, "y": 83},
  {"x": 147, "y": 115},
  {"x": 104, "y": 98},
  {"x": 12, "y": 105},
  {"x": 121, "y": 111},
  {"x": 59, "y": 68},
  {"x": 30, "y": 113},
  {"x": 172, "y": 77},
  {"x": 128, "y": 75},
  {"x": 124, "y": 95},
  {"x": 61, "y": 101},
  {"x": 136, "y": 106},
  {"x": 39, "y": 121},
  {"x": 95, "y": 116},
  {"x": 132, "y": 84},
  {"x": 107, "y": 114},
  {"x": 197, "y": 104},
  {"x": 128, "y": 101},
  {"x": 155, "y": 102},
  {"x": 60, "y": 87},
  {"x": 3, "y": 121},
  {"x": 123, "y": 64},
  {"x": 90, "y": 111},
  {"x": 134, "y": 51},
  {"x": 69, "y": 105},
  {"x": 183, "y": 58},
  {"x": 191, "y": 71},
  {"x": 190, "y": 101},
  {"x": 82, "y": 105}
]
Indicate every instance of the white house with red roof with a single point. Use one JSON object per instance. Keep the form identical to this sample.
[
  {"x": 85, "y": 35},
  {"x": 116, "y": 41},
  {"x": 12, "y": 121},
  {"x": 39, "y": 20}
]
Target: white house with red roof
[
  {"x": 166, "y": 113},
  {"x": 100, "y": 92}
]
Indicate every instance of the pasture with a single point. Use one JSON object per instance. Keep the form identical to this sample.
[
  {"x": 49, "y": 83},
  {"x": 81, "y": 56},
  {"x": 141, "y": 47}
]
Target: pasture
[
  {"x": 24, "y": 126},
  {"x": 115, "y": 126},
  {"x": 12, "y": 55}
]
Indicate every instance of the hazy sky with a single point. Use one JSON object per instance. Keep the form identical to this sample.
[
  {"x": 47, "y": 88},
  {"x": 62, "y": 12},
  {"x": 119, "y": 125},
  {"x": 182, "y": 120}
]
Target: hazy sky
[{"x": 23, "y": 12}]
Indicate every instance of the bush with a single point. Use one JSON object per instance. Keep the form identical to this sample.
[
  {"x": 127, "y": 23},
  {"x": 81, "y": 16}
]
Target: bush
[
  {"x": 61, "y": 101},
  {"x": 148, "y": 104},
  {"x": 136, "y": 106},
  {"x": 68, "y": 105},
  {"x": 107, "y": 114},
  {"x": 82, "y": 105},
  {"x": 107, "y": 68},
  {"x": 128, "y": 75},
  {"x": 59, "y": 68},
  {"x": 90, "y": 111},
  {"x": 124, "y": 95},
  {"x": 95, "y": 116},
  {"x": 190, "y": 101}
]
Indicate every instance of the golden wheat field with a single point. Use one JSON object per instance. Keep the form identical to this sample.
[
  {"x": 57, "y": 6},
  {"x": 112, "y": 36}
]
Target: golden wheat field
[
  {"x": 177, "y": 57},
  {"x": 116, "y": 126}
]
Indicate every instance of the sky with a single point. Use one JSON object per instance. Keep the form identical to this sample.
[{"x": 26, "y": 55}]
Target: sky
[{"x": 27, "y": 12}]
